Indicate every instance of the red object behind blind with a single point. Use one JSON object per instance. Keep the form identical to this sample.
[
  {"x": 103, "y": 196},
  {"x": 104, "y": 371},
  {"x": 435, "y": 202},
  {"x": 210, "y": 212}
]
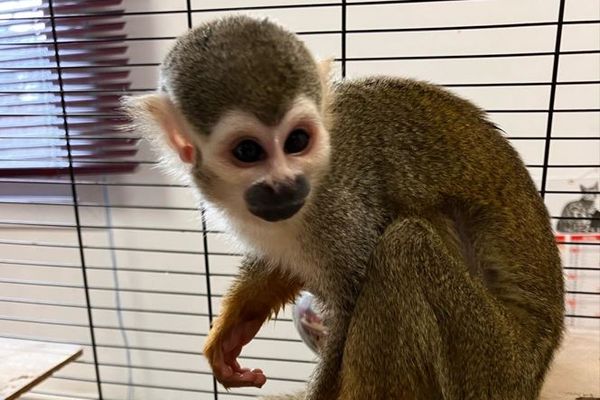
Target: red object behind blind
[{"x": 89, "y": 38}]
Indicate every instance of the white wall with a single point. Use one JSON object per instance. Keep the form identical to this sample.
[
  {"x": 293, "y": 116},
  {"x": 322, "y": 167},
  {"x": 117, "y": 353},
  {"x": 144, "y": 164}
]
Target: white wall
[{"x": 183, "y": 271}]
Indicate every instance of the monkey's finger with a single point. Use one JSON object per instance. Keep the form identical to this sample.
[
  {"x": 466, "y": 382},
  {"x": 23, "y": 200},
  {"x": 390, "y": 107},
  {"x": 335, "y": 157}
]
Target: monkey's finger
[
  {"x": 233, "y": 375},
  {"x": 260, "y": 379},
  {"x": 245, "y": 379},
  {"x": 254, "y": 378},
  {"x": 256, "y": 371},
  {"x": 238, "y": 368}
]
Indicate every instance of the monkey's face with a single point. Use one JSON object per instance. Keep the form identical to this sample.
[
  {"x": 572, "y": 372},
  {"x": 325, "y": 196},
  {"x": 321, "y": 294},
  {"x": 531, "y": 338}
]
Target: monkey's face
[
  {"x": 250, "y": 169},
  {"x": 241, "y": 101}
]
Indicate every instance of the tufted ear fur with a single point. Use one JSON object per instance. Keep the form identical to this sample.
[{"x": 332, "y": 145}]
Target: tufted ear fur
[
  {"x": 325, "y": 73},
  {"x": 156, "y": 117}
]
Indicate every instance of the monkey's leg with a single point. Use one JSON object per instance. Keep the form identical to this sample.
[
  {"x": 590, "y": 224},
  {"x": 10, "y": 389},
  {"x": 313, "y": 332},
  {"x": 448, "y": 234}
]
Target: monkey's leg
[
  {"x": 257, "y": 293},
  {"x": 425, "y": 329},
  {"x": 324, "y": 383}
]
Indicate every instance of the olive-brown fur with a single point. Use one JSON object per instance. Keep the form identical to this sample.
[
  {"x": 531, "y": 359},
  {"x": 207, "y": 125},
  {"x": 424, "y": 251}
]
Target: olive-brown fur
[
  {"x": 407, "y": 151},
  {"x": 427, "y": 241},
  {"x": 268, "y": 71}
]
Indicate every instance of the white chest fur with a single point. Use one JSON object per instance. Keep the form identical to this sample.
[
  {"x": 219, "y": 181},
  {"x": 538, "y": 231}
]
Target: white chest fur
[{"x": 278, "y": 243}]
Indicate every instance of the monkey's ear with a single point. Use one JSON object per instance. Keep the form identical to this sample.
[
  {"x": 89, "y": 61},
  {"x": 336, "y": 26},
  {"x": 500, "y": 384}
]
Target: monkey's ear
[
  {"x": 325, "y": 67},
  {"x": 157, "y": 110},
  {"x": 325, "y": 71}
]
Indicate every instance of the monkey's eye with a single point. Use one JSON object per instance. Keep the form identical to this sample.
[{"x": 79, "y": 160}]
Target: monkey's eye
[
  {"x": 248, "y": 151},
  {"x": 296, "y": 142}
]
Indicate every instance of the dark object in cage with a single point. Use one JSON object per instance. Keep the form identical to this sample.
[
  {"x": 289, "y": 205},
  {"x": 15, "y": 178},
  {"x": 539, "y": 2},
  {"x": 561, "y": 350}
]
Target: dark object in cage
[
  {"x": 595, "y": 226},
  {"x": 580, "y": 216}
]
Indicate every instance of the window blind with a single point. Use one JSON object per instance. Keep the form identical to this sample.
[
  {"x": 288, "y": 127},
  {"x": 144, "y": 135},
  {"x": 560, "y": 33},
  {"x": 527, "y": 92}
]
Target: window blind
[{"x": 55, "y": 97}]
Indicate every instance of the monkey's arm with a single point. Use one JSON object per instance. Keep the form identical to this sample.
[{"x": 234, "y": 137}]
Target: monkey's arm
[
  {"x": 424, "y": 328},
  {"x": 257, "y": 293}
]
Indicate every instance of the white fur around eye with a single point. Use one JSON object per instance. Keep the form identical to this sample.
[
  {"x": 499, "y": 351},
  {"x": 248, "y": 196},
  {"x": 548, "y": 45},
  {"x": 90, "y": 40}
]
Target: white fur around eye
[{"x": 278, "y": 241}]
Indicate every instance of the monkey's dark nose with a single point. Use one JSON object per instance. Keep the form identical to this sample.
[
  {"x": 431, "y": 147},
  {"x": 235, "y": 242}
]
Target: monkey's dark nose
[{"x": 278, "y": 201}]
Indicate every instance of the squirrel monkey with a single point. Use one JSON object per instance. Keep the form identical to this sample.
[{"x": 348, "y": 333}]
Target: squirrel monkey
[{"x": 394, "y": 201}]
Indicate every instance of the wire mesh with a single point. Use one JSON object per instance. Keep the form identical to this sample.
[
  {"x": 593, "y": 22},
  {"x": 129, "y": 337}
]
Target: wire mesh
[{"x": 127, "y": 267}]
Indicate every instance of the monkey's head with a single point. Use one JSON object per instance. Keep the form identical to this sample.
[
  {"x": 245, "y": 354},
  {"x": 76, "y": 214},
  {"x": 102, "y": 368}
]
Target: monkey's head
[{"x": 242, "y": 104}]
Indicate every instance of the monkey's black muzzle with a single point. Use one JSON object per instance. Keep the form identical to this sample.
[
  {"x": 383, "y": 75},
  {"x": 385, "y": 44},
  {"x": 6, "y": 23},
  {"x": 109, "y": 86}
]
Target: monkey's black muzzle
[{"x": 278, "y": 201}]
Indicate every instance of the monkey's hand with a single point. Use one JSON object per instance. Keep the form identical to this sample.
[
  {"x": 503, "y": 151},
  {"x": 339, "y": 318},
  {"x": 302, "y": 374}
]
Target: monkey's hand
[
  {"x": 225, "y": 342},
  {"x": 259, "y": 291}
]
